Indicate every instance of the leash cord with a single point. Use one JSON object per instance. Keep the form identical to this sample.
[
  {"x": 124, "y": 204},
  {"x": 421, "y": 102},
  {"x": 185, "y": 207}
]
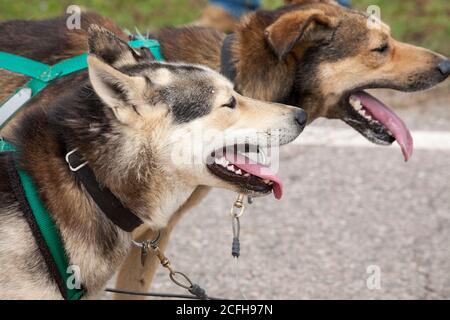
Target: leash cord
[
  {"x": 197, "y": 293},
  {"x": 178, "y": 278},
  {"x": 236, "y": 212},
  {"x": 237, "y": 278},
  {"x": 159, "y": 295},
  {"x": 236, "y": 245}
]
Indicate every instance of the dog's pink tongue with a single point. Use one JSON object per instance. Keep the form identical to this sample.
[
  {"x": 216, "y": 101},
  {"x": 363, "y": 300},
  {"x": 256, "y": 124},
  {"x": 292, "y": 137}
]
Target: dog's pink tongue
[
  {"x": 259, "y": 170},
  {"x": 390, "y": 120}
]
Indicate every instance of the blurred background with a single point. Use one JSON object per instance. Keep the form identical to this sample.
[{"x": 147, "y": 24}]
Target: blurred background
[
  {"x": 349, "y": 206},
  {"x": 423, "y": 22}
]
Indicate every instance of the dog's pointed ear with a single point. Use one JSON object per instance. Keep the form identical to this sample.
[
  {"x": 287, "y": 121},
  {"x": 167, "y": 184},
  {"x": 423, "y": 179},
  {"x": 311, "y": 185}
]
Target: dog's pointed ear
[
  {"x": 298, "y": 26},
  {"x": 116, "y": 89},
  {"x": 111, "y": 49}
]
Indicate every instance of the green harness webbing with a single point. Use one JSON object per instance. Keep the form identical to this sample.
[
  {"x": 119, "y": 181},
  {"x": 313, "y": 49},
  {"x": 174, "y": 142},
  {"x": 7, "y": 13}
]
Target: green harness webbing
[
  {"x": 46, "y": 226},
  {"x": 42, "y": 75}
]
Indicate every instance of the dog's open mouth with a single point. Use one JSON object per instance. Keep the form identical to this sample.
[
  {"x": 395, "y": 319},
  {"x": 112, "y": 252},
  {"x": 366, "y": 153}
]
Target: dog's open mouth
[
  {"x": 246, "y": 166},
  {"x": 377, "y": 122}
]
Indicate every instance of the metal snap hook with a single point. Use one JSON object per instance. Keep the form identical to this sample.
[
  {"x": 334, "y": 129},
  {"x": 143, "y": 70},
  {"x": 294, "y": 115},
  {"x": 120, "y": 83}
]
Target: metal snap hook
[
  {"x": 238, "y": 208},
  {"x": 184, "y": 278}
]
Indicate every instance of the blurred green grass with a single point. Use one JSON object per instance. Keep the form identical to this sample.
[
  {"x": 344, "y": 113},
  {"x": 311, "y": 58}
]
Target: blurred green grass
[{"x": 422, "y": 22}]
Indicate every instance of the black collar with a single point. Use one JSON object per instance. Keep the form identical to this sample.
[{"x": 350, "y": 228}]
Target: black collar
[
  {"x": 227, "y": 67},
  {"x": 102, "y": 196}
]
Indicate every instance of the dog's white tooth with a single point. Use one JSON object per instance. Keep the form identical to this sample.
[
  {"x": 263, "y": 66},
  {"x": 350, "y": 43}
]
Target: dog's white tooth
[
  {"x": 356, "y": 103},
  {"x": 266, "y": 181},
  {"x": 238, "y": 171},
  {"x": 223, "y": 162},
  {"x": 247, "y": 175},
  {"x": 230, "y": 167}
]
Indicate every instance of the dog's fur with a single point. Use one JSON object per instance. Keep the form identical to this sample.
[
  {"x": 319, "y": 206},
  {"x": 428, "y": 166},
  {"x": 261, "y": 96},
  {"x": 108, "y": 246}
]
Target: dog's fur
[
  {"x": 312, "y": 53},
  {"x": 127, "y": 120}
]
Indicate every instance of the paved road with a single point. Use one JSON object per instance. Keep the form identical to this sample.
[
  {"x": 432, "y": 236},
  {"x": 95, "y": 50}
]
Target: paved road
[{"x": 344, "y": 209}]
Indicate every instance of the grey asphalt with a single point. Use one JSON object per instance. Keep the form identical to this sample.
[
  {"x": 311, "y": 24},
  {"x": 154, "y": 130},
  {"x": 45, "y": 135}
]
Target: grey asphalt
[{"x": 344, "y": 209}]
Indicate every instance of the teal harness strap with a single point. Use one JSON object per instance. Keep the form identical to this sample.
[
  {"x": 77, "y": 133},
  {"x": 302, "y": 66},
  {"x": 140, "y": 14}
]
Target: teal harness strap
[
  {"x": 6, "y": 147},
  {"x": 56, "y": 71},
  {"x": 46, "y": 226},
  {"x": 42, "y": 74},
  {"x": 46, "y": 73},
  {"x": 49, "y": 232},
  {"x": 22, "y": 65},
  {"x": 153, "y": 45}
]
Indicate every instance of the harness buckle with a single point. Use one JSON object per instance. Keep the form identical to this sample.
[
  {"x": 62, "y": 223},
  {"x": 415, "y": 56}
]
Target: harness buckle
[{"x": 70, "y": 165}]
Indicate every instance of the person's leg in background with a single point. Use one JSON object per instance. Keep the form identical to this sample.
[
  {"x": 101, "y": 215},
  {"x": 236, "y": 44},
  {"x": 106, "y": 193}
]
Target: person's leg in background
[
  {"x": 224, "y": 14},
  {"x": 345, "y": 3},
  {"x": 237, "y": 8}
]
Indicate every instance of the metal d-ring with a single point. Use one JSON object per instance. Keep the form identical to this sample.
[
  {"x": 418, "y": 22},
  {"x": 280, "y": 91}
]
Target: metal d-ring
[
  {"x": 70, "y": 165},
  {"x": 154, "y": 243}
]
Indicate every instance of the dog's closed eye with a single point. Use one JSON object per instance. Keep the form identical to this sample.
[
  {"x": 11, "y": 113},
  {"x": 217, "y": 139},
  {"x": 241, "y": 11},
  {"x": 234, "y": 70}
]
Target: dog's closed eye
[
  {"x": 382, "y": 49},
  {"x": 231, "y": 104}
]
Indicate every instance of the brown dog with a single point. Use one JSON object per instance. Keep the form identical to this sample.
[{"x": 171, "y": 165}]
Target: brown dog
[{"x": 313, "y": 54}]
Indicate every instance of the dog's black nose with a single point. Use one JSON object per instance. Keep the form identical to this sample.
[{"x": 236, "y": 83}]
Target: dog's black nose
[
  {"x": 301, "y": 117},
  {"x": 444, "y": 68}
]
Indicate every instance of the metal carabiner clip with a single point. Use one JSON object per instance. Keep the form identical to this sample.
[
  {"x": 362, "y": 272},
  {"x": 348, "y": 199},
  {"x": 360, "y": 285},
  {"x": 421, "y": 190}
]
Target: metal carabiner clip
[{"x": 238, "y": 208}]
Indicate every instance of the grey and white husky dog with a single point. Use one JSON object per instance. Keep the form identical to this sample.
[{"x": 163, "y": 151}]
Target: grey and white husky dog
[{"x": 128, "y": 116}]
